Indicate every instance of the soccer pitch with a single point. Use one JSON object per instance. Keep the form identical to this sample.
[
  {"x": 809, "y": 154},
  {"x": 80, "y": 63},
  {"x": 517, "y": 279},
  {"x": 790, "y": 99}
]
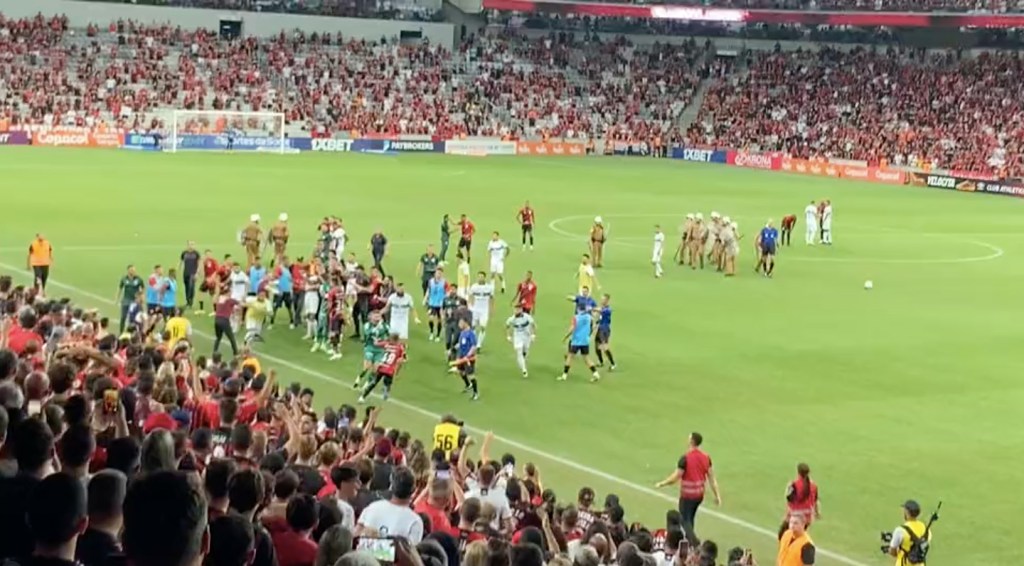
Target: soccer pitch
[{"x": 905, "y": 391}]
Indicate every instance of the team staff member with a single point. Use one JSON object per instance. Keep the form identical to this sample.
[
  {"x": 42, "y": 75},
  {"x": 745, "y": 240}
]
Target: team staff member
[
  {"x": 901, "y": 541},
  {"x": 693, "y": 472},
  {"x": 128, "y": 290},
  {"x": 801, "y": 498},
  {"x": 525, "y": 216},
  {"x": 40, "y": 258},
  {"x": 427, "y": 266},
  {"x": 446, "y": 435},
  {"x": 795, "y": 546},
  {"x": 189, "y": 270},
  {"x": 379, "y": 249},
  {"x": 178, "y": 328},
  {"x": 445, "y": 236}
]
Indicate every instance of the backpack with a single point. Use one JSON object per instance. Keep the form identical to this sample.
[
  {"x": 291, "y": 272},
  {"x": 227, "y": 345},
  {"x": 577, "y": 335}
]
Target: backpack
[{"x": 919, "y": 546}]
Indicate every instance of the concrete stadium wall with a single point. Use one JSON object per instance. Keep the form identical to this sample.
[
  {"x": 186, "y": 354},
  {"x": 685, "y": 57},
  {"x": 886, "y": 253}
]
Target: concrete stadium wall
[{"x": 253, "y": 23}]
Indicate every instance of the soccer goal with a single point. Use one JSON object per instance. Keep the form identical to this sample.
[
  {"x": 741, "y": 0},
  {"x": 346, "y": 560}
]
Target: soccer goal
[{"x": 215, "y": 130}]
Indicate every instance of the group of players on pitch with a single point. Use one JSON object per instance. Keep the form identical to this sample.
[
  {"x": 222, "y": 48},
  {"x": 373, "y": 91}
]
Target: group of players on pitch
[{"x": 327, "y": 294}]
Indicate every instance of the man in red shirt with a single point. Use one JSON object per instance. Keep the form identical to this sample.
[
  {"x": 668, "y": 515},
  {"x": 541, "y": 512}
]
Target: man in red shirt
[
  {"x": 222, "y": 328},
  {"x": 435, "y": 506},
  {"x": 291, "y": 534},
  {"x": 526, "y": 294},
  {"x": 692, "y": 473},
  {"x": 211, "y": 269},
  {"x": 525, "y": 217},
  {"x": 467, "y": 230},
  {"x": 788, "y": 222},
  {"x": 394, "y": 357},
  {"x": 24, "y": 333}
]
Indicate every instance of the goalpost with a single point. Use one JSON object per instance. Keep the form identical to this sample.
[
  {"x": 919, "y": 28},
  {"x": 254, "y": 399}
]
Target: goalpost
[{"x": 221, "y": 130}]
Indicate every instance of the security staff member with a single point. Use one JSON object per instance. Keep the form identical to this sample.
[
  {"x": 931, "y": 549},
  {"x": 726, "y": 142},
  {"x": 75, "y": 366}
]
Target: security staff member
[
  {"x": 40, "y": 258},
  {"x": 901, "y": 541},
  {"x": 252, "y": 235},
  {"x": 692, "y": 472},
  {"x": 795, "y": 546}
]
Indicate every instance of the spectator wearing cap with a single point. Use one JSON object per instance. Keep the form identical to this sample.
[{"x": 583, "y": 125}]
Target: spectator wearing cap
[
  {"x": 393, "y": 516},
  {"x": 57, "y": 517},
  {"x": 32, "y": 445},
  {"x": 106, "y": 496},
  {"x": 292, "y": 540},
  {"x": 231, "y": 542},
  {"x": 246, "y": 490},
  {"x": 165, "y": 521},
  {"x": 382, "y": 468}
]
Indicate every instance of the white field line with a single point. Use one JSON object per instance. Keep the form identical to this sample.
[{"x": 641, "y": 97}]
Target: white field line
[{"x": 513, "y": 443}]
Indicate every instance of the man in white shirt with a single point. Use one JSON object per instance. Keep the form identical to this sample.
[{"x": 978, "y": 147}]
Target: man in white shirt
[
  {"x": 826, "y": 224},
  {"x": 338, "y": 239},
  {"x": 487, "y": 491},
  {"x": 521, "y": 330},
  {"x": 659, "y": 248},
  {"x": 400, "y": 305},
  {"x": 811, "y": 219},
  {"x": 239, "y": 284},
  {"x": 498, "y": 249},
  {"x": 394, "y": 517},
  {"x": 481, "y": 303}
]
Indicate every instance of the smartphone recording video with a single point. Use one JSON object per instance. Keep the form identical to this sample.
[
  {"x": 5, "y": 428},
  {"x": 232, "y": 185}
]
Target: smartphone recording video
[{"x": 381, "y": 548}]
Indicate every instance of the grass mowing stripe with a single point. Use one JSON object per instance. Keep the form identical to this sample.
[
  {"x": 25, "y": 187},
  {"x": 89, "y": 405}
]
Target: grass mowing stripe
[{"x": 516, "y": 444}]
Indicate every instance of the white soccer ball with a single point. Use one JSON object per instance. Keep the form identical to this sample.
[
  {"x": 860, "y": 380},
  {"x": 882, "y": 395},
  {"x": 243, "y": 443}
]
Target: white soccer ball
[{"x": 868, "y": 284}]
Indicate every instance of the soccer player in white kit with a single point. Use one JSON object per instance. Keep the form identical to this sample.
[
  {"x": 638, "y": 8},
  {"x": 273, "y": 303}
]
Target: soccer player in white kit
[
  {"x": 338, "y": 239},
  {"x": 811, "y": 219},
  {"x": 462, "y": 278},
  {"x": 401, "y": 304},
  {"x": 826, "y": 224},
  {"x": 311, "y": 305},
  {"x": 659, "y": 248},
  {"x": 521, "y": 331},
  {"x": 238, "y": 283},
  {"x": 498, "y": 249},
  {"x": 481, "y": 303}
]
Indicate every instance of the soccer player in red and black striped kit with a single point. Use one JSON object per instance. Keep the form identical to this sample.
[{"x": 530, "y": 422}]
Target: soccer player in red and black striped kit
[
  {"x": 801, "y": 498},
  {"x": 525, "y": 216},
  {"x": 693, "y": 472}
]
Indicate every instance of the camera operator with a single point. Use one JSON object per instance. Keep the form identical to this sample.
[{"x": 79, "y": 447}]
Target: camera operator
[{"x": 901, "y": 542}]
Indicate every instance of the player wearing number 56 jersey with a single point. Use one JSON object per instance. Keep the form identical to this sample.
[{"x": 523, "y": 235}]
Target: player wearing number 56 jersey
[{"x": 387, "y": 369}]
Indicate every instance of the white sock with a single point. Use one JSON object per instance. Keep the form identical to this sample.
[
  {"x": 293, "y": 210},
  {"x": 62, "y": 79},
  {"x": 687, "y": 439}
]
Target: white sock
[
  {"x": 657, "y": 269},
  {"x": 311, "y": 327},
  {"x": 480, "y": 342},
  {"x": 521, "y": 360}
]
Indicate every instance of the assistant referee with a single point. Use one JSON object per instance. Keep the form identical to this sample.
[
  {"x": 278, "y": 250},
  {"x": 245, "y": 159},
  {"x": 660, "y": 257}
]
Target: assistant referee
[{"x": 40, "y": 258}]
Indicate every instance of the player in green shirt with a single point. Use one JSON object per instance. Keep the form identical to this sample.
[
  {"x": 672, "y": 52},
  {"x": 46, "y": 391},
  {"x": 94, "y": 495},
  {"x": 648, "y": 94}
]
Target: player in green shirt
[
  {"x": 445, "y": 236},
  {"x": 127, "y": 290},
  {"x": 375, "y": 333}
]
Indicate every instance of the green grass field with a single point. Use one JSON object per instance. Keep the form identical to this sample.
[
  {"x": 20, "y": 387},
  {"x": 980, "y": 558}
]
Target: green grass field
[{"x": 908, "y": 390}]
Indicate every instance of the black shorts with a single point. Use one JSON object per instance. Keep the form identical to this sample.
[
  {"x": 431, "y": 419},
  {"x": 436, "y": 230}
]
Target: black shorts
[
  {"x": 467, "y": 368},
  {"x": 465, "y": 243},
  {"x": 425, "y": 283},
  {"x": 582, "y": 350},
  {"x": 41, "y": 272},
  {"x": 526, "y": 309},
  {"x": 387, "y": 379},
  {"x": 527, "y": 228},
  {"x": 768, "y": 250},
  {"x": 434, "y": 312},
  {"x": 335, "y": 324},
  {"x": 603, "y": 335}
]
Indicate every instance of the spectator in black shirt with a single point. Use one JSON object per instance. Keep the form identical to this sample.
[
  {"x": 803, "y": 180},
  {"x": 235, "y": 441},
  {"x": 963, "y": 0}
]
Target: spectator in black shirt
[
  {"x": 106, "y": 496},
  {"x": 32, "y": 447},
  {"x": 231, "y": 541},
  {"x": 56, "y": 516},
  {"x": 123, "y": 455},
  {"x": 165, "y": 521},
  {"x": 75, "y": 450},
  {"x": 246, "y": 491}
]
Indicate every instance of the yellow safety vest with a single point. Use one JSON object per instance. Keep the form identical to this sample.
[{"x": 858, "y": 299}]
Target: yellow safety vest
[
  {"x": 918, "y": 528},
  {"x": 791, "y": 549}
]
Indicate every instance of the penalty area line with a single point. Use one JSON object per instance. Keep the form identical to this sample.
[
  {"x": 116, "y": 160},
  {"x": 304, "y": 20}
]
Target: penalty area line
[{"x": 773, "y": 534}]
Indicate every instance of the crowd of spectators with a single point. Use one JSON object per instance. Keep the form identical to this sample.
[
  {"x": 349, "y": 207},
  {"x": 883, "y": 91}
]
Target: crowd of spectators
[
  {"x": 133, "y": 449},
  {"x": 903, "y": 107},
  {"x": 420, "y": 10}
]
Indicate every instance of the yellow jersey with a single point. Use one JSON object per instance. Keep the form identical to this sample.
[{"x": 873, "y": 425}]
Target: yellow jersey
[
  {"x": 586, "y": 277},
  {"x": 446, "y": 437},
  {"x": 179, "y": 328},
  {"x": 256, "y": 311}
]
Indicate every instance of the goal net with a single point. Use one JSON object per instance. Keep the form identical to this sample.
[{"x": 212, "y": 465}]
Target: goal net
[{"x": 213, "y": 130}]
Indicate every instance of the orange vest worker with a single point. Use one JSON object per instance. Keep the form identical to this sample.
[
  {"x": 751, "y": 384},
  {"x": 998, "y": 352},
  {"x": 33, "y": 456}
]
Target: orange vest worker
[
  {"x": 795, "y": 549},
  {"x": 40, "y": 257}
]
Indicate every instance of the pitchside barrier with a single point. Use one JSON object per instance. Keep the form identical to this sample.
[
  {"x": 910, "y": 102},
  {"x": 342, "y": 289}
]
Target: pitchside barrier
[{"x": 70, "y": 136}]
